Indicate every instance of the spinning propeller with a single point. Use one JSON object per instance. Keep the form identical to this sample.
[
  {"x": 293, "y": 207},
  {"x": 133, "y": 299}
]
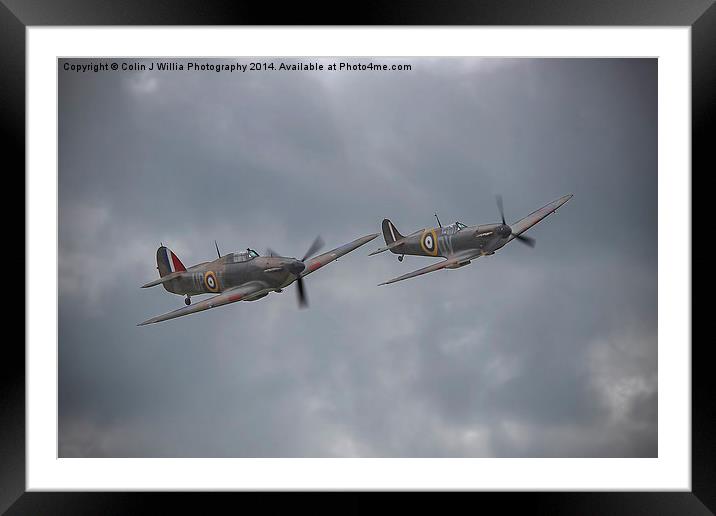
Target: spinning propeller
[
  {"x": 297, "y": 267},
  {"x": 507, "y": 230},
  {"x": 315, "y": 247}
]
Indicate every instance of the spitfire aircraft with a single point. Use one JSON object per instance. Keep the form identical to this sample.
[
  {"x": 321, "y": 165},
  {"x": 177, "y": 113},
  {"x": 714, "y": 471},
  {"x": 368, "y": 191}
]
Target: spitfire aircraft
[
  {"x": 459, "y": 243},
  {"x": 242, "y": 276}
]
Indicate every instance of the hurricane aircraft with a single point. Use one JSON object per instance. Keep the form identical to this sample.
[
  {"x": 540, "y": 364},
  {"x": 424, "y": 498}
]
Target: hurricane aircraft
[{"x": 240, "y": 276}]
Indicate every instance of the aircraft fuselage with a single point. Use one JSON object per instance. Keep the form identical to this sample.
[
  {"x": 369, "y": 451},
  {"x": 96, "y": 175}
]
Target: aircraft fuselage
[
  {"x": 219, "y": 275},
  {"x": 448, "y": 240}
]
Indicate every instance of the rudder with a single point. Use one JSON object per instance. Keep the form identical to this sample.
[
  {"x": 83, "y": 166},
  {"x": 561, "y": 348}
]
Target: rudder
[
  {"x": 168, "y": 262},
  {"x": 390, "y": 232}
]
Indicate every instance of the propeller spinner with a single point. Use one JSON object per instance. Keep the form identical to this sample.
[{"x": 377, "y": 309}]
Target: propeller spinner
[
  {"x": 296, "y": 267},
  {"x": 315, "y": 247},
  {"x": 505, "y": 231}
]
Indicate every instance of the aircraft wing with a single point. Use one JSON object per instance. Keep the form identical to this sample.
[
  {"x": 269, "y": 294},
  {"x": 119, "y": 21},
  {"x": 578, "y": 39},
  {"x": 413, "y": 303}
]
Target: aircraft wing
[
  {"x": 319, "y": 261},
  {"x": 450, "y": 262},
  {"x": 533, "y": 218},
  {"x": 226, "y": 297}
]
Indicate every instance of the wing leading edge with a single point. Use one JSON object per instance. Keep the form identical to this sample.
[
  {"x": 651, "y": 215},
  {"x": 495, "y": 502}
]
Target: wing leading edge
[
  {"x": 226, "y": 297},
  {"x": 536, "y": 216},
  {"x": 319, "y": 261},
  {"x": 450, "y": 262}
]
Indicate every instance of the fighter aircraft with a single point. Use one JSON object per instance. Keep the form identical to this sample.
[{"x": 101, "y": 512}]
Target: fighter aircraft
[
  {"x": 241, "y": 276},
  {"x": 459, "y": 243}
]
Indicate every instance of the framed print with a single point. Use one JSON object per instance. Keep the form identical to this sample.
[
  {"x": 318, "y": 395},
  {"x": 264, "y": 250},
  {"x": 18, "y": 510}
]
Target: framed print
[{"x": 202, "y": 161}]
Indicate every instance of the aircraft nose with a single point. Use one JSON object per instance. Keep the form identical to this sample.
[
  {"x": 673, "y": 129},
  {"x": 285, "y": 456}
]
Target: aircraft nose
[{"x": 296, "y": 267}]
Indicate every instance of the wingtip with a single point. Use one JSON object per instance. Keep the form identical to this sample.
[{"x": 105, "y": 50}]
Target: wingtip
[
  {"x": 562, "y": 200},
  {"x": 364, "y": 239}
]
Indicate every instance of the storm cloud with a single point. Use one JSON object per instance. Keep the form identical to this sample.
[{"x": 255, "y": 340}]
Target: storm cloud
[{"x": 544, "y": 352}]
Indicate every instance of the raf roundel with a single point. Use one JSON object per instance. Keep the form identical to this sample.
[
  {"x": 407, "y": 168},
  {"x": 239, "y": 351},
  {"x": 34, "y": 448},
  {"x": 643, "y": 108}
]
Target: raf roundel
[
  {"x": 429, "y": 243},
  {"x": 210, "y": 281}
]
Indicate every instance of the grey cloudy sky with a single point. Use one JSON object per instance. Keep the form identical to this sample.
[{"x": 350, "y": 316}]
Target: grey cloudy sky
[{"x": 544, "y": 352}]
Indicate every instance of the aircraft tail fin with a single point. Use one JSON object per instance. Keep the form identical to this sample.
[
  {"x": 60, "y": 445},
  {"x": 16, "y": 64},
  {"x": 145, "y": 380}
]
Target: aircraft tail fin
[
  {"x": 168, "y": 262},
  {"x": 390, "y": 232}
]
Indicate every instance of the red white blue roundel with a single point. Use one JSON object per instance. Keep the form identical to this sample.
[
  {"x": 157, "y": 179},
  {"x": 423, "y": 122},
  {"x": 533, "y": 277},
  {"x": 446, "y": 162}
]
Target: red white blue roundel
[
  {"x": 429, "y": 242},
  {"x": 210, "y": 281}
]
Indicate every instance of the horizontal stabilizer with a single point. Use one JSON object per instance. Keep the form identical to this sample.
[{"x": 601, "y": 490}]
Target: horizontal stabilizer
[
  {"x": 397, "y": 243},
  {"x": 168, "y": 277}
]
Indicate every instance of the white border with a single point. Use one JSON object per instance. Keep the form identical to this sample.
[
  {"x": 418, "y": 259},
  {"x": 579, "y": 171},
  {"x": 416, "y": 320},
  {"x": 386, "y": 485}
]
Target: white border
[{"x": 671, "y": 471}]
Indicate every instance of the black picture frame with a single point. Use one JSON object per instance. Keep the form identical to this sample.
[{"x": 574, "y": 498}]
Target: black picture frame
[{"x": 16, "y": 15}]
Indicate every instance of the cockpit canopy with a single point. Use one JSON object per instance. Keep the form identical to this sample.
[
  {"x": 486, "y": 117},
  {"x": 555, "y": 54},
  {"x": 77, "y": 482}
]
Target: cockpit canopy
[
  {"x": 454, "y": 228},
  {"x": 241, "y": 256}
]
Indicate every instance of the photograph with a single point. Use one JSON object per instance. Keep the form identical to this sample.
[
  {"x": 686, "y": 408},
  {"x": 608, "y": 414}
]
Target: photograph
[{"x": 357, "y": 257}]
